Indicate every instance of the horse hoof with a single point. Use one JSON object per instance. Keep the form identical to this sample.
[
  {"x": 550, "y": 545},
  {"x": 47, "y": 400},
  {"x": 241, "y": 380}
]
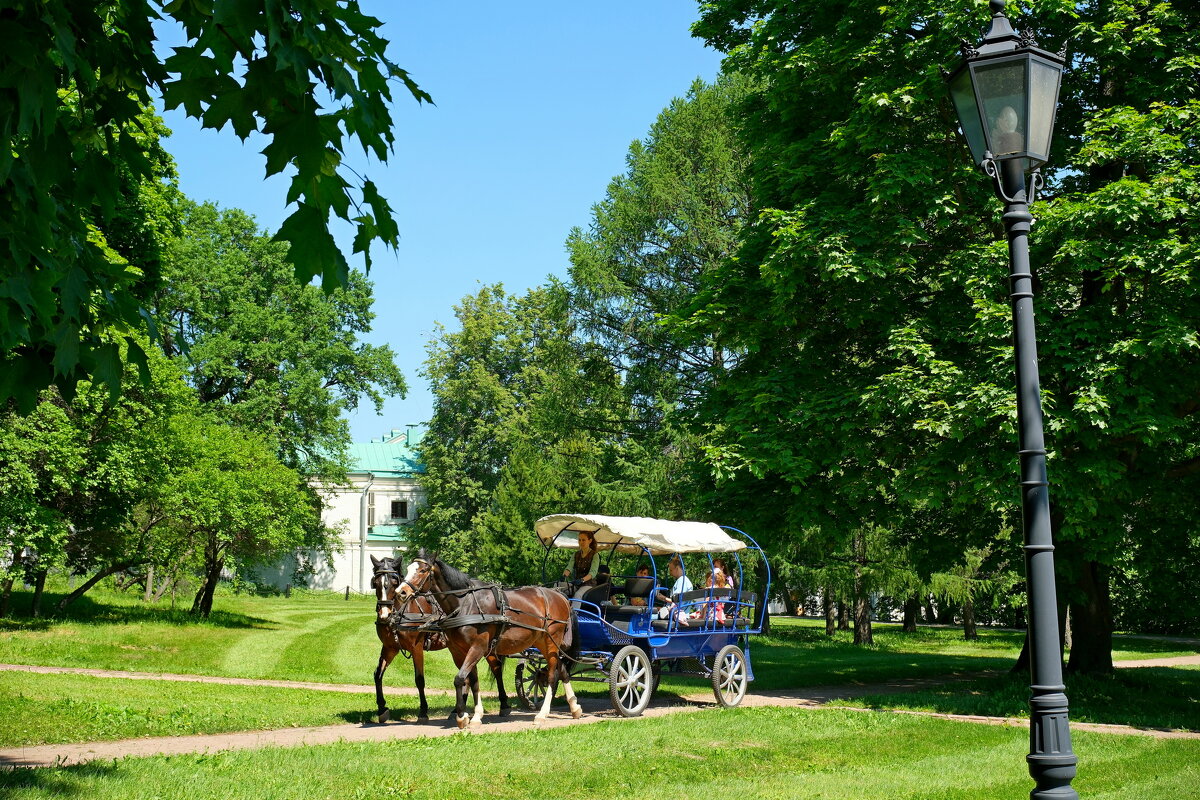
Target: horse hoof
[
  {"x": 577, "y": 713},
  {"x": 462, "y": 721},
  {"x": 423, "y": 715},
  {"x": 539, "y": 719},
  {"x": 385, "y": 715},
  {"x": 504, "y": 712},
  {"x": 476, "y": 722}
]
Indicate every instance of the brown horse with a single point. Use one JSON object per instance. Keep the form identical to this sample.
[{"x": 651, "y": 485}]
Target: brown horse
[
  {"x": 484, "y": 621},
  {"x": 399, "y": 629}
]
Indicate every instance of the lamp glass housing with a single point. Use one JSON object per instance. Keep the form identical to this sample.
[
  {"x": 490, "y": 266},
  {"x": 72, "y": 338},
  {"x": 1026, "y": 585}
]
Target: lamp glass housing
[
  {"x": 1006, "y": 105},
  {"x": 963, "y": 95}
]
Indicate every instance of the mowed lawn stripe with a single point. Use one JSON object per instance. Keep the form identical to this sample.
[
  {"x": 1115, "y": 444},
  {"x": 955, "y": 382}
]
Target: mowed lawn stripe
[
  {"x": 265, "y": 653},
  {"x": 318, "y": 650}
]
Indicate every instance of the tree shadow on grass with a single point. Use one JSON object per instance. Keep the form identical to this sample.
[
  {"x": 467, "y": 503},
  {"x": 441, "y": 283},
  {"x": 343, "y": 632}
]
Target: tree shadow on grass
[
  {"x": 1146, "y": 697},
  {"x": 1151, "y": 644},
  {"x": 61, "y": 782},
  {"x": 87, "y": 609}
]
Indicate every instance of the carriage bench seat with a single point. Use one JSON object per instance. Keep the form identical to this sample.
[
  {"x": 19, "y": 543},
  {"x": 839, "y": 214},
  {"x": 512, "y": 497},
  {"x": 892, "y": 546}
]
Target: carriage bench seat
[
  {"x": 623, "y": 613},
  {"x": 634, "y": 587}
]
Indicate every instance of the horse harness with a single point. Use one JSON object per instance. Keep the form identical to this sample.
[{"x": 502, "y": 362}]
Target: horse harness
[
  {"x": 501, "y": 618},
  {"x": 403, "y": 621}
]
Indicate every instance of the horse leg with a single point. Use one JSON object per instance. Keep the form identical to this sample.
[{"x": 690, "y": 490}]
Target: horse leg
[
  {"x": 496, "y": 664},
  {"x": 418, "y": 658},
  {"x": 467, "y": 676},
  {"x": 552, "y": 665},
  {"x": 386, "y": 654},
  {"x": 569, "y": 691},
  {"x": 477, "y": 717}
]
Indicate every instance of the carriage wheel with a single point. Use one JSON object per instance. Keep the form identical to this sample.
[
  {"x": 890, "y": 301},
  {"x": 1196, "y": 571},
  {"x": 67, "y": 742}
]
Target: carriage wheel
[
  {"x": 729, "y": 676},
  {"x": 531, "y": 679},
  {"x": 630, "y": 681}
]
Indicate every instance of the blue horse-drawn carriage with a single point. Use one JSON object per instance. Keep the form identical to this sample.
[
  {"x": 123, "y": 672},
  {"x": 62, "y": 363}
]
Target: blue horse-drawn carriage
[{"x": 634, "y": 628}]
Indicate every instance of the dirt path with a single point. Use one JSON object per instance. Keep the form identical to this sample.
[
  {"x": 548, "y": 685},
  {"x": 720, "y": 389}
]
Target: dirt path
[
  {"x": 349, "y": 688},
  {"x": 596, "y": 710},
  {"x": 1174, "y": 661}
]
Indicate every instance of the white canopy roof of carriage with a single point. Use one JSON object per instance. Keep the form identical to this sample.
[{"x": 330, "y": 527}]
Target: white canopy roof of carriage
[{"x": 659, "y": 536}]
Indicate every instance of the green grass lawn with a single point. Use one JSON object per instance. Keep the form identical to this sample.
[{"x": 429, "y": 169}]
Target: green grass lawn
[
  {"x": 50, "y": 709},
  {"x": 743, "y": 753},
  {"x": 1146, "y": 697},
  {"x": 325, "y": 638}
]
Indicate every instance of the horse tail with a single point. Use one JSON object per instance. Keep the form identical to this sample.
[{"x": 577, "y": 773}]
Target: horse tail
[{"x": 571, "y": 640}]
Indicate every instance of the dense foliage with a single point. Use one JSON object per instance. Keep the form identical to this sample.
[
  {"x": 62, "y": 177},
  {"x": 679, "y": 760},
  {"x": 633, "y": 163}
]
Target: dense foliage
[
  {"x": 869, "y": 297},
  {"x": 263, "y": 352},
  {"x": 77, "y": 152}
]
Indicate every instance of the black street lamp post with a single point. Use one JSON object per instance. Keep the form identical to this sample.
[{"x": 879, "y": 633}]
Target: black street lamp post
[{"x": 1006, "y": 93}]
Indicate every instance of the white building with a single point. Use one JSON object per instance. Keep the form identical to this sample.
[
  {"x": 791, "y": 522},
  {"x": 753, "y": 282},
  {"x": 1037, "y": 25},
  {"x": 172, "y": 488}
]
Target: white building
[{"x": 382, "y": 496}]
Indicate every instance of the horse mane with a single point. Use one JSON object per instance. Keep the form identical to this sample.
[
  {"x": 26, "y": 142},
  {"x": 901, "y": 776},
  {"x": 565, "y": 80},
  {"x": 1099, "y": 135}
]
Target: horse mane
[{"x": 455, "y": 578}]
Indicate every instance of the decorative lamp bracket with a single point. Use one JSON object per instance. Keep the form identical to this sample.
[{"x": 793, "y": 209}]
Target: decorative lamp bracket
[{"x": 1029, "y": 196}]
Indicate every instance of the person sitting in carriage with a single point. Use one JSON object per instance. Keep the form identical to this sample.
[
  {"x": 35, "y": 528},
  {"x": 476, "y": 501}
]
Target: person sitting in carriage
[
  {"x": 642, "y": 572},
  {"x": 681, "y": 585},
  {"x": 714, "y": 609},
  {"x": 586, "y": 565}
]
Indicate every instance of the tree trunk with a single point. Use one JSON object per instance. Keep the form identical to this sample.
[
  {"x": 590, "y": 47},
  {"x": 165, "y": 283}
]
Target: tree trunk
[
  {"x": 1091, "y": 621},
  {"x": 830, "y": 608},
  {"x": 843, "y": 615},
  {"x": 92, "y": 581},
  {"x": 930, "y": 612},
  {"x": 39, "y": 585},
  {"x": 5, "y": 596},
  {"x": 214, "y": 563},
  {"x": 1022, "y": 663},
  {"x": 862, "y": 604},
  {"x": 168, "y": 582},
  {"x": 945, "y": 614},
  {"x": 968, "y": 613},
  {"x": 149, "y": 583},
  {"x": 789, "y": 602},
  {"x": 912, "y": 607}
]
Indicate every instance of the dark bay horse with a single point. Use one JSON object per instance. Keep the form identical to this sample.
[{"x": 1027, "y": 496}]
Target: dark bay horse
[
  {"x": 398, "y": 629},
  {"x": 484, "y": 621}
]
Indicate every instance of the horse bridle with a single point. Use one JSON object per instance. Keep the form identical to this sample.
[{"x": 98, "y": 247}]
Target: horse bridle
[
  {"x": 388, "y": 604},
  {"x": 426, "y": 574}
]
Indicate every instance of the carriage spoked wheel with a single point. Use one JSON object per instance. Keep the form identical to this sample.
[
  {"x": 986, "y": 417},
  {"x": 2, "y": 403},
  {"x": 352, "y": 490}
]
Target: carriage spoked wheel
[
  {"x": 729, "y": 676},
  {"x": 630, "y": 681},
  {"x": 532, "y": 679}
]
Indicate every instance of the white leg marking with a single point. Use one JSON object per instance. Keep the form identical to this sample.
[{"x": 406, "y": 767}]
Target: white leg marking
[
  {"x": 478, "y": 718},
  {"x": 545, "y": 712},
  {"x": 569, "y": 691}
]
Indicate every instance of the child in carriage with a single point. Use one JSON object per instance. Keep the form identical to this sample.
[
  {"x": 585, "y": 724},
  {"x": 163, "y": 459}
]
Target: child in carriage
[{"x": 714, "y": 609}]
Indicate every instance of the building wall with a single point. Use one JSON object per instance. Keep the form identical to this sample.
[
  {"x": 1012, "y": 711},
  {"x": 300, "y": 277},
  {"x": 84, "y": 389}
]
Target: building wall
[{"x": 366, "y": 498}]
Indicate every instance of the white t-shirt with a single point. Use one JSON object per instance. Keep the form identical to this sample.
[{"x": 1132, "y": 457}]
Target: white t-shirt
[{"x": 681, "y": 585}]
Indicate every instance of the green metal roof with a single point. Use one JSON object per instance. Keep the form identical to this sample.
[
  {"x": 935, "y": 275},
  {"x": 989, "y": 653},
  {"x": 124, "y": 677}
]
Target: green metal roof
[
  {"x": 392, "y": 454},
  {"x": 390, "y": 533}
]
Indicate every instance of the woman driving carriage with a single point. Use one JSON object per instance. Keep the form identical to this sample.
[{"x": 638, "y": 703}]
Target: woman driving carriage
[{"x": 585, "y": 566}]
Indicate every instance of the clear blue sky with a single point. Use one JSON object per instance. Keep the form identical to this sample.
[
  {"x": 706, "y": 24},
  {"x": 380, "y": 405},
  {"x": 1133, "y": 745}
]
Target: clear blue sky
[{"x": 536, "y": 105}]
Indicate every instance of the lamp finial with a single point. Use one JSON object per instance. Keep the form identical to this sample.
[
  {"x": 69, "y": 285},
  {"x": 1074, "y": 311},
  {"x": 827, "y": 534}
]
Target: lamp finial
[{"x": 997, "y": 7}]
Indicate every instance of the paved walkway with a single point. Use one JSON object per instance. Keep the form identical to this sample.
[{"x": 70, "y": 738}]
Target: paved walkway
[{"x": 596, "y": 710}]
